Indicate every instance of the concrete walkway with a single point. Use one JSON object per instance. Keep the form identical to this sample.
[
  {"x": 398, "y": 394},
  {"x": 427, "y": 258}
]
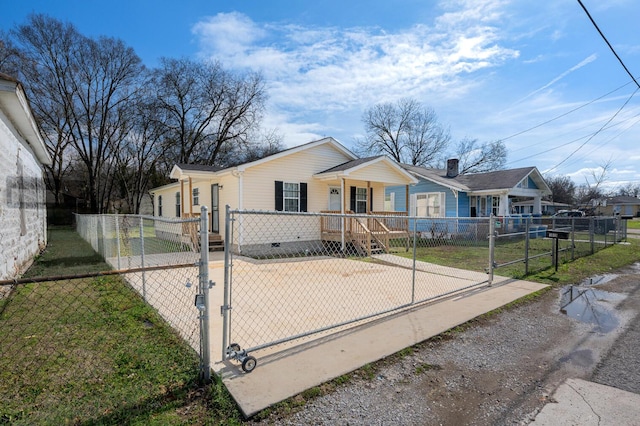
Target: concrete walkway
[
  {"x": 281, "y": 375},
  {"x": 578, "y": 402}
]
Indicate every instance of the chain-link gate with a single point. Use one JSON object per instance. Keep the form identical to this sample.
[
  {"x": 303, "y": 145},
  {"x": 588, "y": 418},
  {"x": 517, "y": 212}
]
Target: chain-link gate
[{"x": 293, "y": 275}]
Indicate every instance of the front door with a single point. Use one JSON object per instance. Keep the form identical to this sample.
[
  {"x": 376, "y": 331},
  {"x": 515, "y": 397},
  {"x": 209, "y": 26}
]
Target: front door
[
  {"x": 215, "y": 208},
  {"x": 335, "y": 199}
]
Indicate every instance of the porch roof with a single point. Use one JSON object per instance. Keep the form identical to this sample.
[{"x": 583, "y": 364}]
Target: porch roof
[
  {"x": 192, "y": 170},
  {"x": 358, "y": 168}
]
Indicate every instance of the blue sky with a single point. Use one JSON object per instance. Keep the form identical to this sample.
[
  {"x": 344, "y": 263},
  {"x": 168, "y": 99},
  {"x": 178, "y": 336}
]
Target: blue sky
[{"x": 491, "y": 69}]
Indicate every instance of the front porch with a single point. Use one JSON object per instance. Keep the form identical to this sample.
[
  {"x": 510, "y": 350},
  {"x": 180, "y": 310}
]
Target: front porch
[{"x": 369, "y": 234}]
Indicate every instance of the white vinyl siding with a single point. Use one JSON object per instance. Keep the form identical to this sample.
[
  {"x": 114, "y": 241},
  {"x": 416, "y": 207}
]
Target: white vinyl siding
[{"x": 258, "y": 191}]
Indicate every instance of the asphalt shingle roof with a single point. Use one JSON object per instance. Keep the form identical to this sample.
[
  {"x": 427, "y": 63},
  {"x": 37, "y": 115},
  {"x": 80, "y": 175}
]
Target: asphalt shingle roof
[
  {"x": 500, "y": 179},
  {"x": 350, "y": 164},
  {"x": 198, "y": 167}
]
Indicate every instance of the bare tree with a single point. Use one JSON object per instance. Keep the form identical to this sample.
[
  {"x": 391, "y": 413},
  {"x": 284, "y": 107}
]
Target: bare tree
[
  {"x": 83, "y": 90},
  {"x": 44, "y": 62},
  {"x": 9, "y": 55},
  {"x": 139, "y": 156},
  {"x": 406, "y": 131},
  {"x": 563, "y": 189},
  {"x": 204, "y": 108},
  {"x": 592, "y": 190},
  {"x": 478, "y": 158},
  {"x": 630, "y": 190}
]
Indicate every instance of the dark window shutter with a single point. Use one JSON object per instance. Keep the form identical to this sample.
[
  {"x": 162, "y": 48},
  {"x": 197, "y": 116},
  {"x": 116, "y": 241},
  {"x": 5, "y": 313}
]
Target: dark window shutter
[
  {"x": 370, "y": 200},
  {"x": 303, "y": 197},
  {"x": 352, "y": 201},
  {"x": 279, "y": 196}
]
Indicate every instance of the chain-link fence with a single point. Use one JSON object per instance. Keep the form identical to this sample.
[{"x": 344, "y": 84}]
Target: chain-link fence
[
  {"x": 522, "y": 246},
  {"x": 291, "y": 275},
  {"x": 132, "y": 241},
  {"x": 91, "y": 340}
]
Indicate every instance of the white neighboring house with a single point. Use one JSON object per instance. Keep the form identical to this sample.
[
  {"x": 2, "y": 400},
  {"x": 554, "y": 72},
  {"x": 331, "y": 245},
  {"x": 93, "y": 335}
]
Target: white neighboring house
[{"x": 23, "y": 214}]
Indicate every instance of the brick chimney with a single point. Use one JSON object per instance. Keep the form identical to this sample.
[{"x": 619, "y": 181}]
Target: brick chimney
[{"x": 452, "y": 167}]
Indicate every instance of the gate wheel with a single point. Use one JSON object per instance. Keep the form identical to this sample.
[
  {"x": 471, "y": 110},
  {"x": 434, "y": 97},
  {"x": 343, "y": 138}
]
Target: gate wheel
[{"x": 249, "y": 363}]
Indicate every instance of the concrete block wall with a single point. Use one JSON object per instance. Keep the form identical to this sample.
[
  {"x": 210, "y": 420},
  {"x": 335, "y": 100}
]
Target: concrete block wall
[{"x": 23, "y": 215}]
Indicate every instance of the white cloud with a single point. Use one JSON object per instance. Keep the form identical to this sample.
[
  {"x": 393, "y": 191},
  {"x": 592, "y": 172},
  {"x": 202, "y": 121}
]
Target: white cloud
[{"x": 323, "y": 69}]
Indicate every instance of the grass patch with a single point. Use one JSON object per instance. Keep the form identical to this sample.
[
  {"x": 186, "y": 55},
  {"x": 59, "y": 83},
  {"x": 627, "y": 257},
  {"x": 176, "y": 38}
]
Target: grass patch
[
  {"x": 66, "y": 254},
  {"x": 91, "y": 351},
  {"x": 603, "y": 261},
  {"x": 633, "y": 224}
]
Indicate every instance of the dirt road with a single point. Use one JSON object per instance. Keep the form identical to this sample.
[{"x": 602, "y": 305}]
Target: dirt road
[{"x": 501, "y": 370}]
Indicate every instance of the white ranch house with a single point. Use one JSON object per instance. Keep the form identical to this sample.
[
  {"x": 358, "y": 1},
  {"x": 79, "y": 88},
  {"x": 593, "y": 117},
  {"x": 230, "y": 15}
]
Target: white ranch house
[{"x": 320, "y": 176}]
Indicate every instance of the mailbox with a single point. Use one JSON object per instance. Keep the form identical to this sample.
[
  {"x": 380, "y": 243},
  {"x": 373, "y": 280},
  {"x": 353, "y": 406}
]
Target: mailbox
[{"x": 559, "y": 235}]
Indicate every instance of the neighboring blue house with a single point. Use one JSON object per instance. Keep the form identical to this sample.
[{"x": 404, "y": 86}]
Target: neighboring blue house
[{"x": 445, "y": 193}]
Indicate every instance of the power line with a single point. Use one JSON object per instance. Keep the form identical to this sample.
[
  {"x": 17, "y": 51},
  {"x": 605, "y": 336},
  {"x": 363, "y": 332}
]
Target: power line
[
  {"x": 608, "y": 44},
  {"x": 564, "y": 114},
  {"x": 597, "y": 132}
]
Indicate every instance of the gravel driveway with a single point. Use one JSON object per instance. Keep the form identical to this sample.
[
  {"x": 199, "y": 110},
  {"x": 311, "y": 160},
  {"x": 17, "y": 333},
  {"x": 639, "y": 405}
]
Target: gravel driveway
[{"x": 501, "y": 370}]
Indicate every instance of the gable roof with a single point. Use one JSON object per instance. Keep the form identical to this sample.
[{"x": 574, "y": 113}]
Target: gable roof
[
  {"x": 198, "y": 167},
  {"x": 290, "y": 151},
  {"x": 499, "y": 179},
  {"x": 351, "y": 166},
  {"x": 15, "y": 105},
  {"x": 488, "y": 181}
]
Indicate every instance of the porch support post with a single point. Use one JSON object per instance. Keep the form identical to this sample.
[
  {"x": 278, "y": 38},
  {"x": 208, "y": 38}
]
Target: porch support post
[
  {"x": 190, "y": 197},
  {"x": 182, "y": 204},
  {"x": 537, "y": 205},
  {"x": 406, "y": 200},
  {"x": 342, "y": 211},
  {"x": 368, "y": 206},
  {"x": 504, "y": 205}
]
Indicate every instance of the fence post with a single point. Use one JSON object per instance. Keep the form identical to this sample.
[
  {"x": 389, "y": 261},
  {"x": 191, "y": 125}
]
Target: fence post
[
  {"x": 573, "y": 238},
  {"x": 118, "y": 239},
  {"x": 144, "y": 276},
  {"x": 492, "y": 244},
  {"x": 205, "y": 352},
  {"x": 526, "y": 245},
  {"x": 413, "y": 275},
  {"x": 592, "y": 231},
  {"x": 224, "y": 309}
]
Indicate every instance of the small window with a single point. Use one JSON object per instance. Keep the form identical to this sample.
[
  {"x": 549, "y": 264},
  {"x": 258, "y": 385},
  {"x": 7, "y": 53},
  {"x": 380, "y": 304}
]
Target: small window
[
  {"x": 361, "y": 200},
  {"x": 291, "y": 197},
  {"x": 428, "y": 204},
  {"x": 159, "y": 205},
  {"x": 495, "y": 205},
  {"x": 177, "y": 204},
  {"x": 390, "y": 202},
  {"x": 196, "y": 196}
]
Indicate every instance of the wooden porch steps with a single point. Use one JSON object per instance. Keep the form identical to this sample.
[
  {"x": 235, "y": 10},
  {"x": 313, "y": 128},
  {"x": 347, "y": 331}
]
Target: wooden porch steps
[{"x": 216, "y": 243}]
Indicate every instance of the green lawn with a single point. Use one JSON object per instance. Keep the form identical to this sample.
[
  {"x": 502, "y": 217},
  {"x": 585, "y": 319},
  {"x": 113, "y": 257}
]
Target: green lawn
[
  {"x": 90, "y": 351},
  {"x": 633, "y": 224}
]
